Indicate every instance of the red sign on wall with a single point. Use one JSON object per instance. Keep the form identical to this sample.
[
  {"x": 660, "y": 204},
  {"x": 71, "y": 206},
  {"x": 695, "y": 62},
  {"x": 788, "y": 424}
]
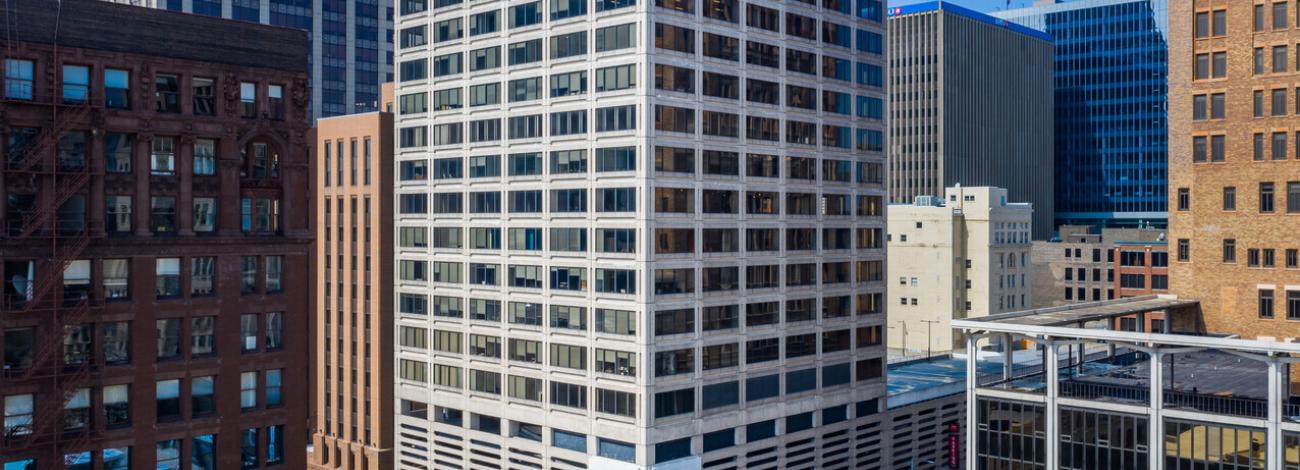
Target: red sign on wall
[{"x": 954, "y": 444}]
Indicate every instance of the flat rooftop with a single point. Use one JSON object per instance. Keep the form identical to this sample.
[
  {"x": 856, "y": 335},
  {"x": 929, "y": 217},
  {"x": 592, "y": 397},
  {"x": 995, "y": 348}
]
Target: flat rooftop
[
  {"x": 108, "y": 26},
  {"x": 1072, "y": 315},
  {"x": 939, "y": 5},
  {"x": 1205, "y": 372},
  {"x": 920, "y": 380}
]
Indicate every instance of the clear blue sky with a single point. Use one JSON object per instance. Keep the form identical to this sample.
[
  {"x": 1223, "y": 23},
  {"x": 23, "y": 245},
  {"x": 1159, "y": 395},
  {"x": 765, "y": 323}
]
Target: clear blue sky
[{"x": 979, "y": 5}]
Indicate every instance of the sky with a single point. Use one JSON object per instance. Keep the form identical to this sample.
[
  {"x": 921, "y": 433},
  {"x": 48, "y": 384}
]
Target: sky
[{"x": 979, "y": 5}]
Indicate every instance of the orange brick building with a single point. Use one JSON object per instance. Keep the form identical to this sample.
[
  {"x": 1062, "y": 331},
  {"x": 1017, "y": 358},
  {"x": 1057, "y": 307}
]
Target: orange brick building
[{"x": 352, "y": 397}]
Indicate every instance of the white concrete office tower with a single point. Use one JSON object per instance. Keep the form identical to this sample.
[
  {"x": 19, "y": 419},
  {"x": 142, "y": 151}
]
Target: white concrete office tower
[
  {"x": 965, "y": 255},
  {"x": 639, "y": 234},
  {"x": 351, "y": 43}
]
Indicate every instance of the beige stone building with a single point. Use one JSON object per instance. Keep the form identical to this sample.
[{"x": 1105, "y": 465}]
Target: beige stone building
[
  {"x": 1085, "y": 265},
  {"x": 1234, "y": 171},
  {"x": 965, "y": 255},
  {"x": 352, "y": 373}
]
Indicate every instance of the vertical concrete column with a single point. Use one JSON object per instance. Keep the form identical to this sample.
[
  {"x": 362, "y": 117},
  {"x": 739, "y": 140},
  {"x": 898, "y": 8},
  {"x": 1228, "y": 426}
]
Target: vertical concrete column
[
  {"x": 98, "y": 166},
  {"x": 185, "y": 198},
  {"x": 1273, "y": 428},
  {"x": 143, "y": 154},
  {"x": 1008, "y": 363},
  {"x": 1052, "y": 376},
  {"x": 1156, "y": 424},
  {"x": 972, "y": 414}
]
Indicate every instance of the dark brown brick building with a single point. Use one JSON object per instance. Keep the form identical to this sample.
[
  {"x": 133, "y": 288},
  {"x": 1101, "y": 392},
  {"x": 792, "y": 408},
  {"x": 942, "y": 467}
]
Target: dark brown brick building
[{"x": 155, "y": 207}]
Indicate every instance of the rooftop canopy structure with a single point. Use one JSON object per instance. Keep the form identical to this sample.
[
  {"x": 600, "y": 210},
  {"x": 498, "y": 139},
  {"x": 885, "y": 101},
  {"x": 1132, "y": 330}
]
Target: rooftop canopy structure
[{"x": 1127, "y": 383}]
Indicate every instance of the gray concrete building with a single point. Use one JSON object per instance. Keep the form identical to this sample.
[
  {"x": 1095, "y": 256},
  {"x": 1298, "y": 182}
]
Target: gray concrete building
[
  {"x": 970, "y": 103},
  {"x": 351, "y": 43},
  {"x": 640, "y": 235}
]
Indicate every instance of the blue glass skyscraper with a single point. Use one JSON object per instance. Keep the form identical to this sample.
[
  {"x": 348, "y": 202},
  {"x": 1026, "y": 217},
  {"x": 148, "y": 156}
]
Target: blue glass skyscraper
[{"x": 1111, "y": 152}]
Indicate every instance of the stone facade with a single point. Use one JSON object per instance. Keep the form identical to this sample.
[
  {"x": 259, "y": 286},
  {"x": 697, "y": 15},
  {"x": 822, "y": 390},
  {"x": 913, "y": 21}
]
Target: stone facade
[{"x": 965, "y": 256}]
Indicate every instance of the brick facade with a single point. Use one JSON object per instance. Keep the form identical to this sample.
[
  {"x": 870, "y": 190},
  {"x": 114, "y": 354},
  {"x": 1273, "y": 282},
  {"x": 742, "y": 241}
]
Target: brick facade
[
  {"x": 1226, "y": 276},
  {"x": 195, "y": 216}
]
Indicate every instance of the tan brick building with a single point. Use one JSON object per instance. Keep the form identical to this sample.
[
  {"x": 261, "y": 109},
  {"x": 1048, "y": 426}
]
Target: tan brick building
[
  {"x": 1234, "y": 167},
  {"x": 352, "y": 401}
]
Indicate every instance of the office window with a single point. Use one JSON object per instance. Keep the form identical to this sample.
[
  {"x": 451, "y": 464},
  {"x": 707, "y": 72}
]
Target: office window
[
  {"x": 674, "y": 38},
  {"x": 1202, "y": 25},
  {"x": 616, "y": 118},
  {"x": 563, "y": 278},
  {"x": 674, "y": 200},
  {"x": 414, "y": 36},
  {"x": 613, "y": 38},
  {"x": 1229, "y": 198},
  {"x": 527, "y": 14},
  {"x": 524, "y": 52},
  {"x": 606, "y": 5},
  {"x": 571, "y": 357},
  {"x": 568, "y": 122},
  {"x": 447, "y": 30},
  {"x": 524, "y": 127},
  {"x": 668, "y": 363},
  {"x": 168, "y": 400},
  {"x": 803, "y": 62},
  {"x": 687, "y": 6},
  {"x": 166, "y": 93},
  {"x": 721, "y": 86},
  {"x": 616, "y": 240},
  {"x": 1293, "y": 197},
  {"x": 568, "y": 395},
  {"x": 410, "y": 137},
  {"x": 1265, "y": 303},
  {"x": 674, "y": 402},
  {"x": 720, "y": 124},
  {"x": 568, "y": 317},
  {"x": 615, "y": 402},
  {"x": 485, "y": 59},
  {"x": 568, "y": 45},
  {"x": 721, "y": 356},
  {"x": 485, "y": 130},
  {"x": 167, "y": 274},
  {"x": 764, "y": 55},
  {"x": 618, "y": 322},
  {"x": 561, "y": 9},
  {"x": 443, "y": 66},
  {"x": 117, "y": 84},
  {"x": 674, "y": 119},
  {"x": 670, "y": 78},
  {"x": 762, "y": 17},
  {"x": 482, "y": 95},
  {"x": 568, "y": 84},
  {"x": 616, "y": 78},
  {"x": 1266, "y": 191}
]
